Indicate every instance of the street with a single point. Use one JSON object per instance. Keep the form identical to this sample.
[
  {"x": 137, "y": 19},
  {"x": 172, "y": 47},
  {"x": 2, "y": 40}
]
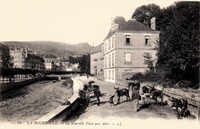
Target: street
[{"x": 122, "y": 110}]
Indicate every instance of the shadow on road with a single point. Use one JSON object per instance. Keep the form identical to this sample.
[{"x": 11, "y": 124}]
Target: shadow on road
[{"x": 75, "y": 115}]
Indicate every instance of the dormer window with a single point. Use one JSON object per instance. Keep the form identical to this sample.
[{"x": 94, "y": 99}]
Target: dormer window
[
  {"x": 128, "y": 40},
  {"x": 147, "y": 39}
]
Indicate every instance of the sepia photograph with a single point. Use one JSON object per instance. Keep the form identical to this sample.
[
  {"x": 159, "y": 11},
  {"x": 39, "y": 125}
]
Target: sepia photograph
[{"x": 100, "y": 64}]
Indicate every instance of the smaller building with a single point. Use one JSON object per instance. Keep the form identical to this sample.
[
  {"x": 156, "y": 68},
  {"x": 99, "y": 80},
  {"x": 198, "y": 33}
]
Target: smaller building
[
  {"x": 97, "y": 62},
  {"x": 48, "y": 63},
  {"x": 34, "y": 62}
]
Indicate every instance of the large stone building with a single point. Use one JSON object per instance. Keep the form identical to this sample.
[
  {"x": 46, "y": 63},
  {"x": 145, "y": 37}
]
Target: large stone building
[
  {"x": 125, "y": 49},
  {"x": 96, "y": 61}
]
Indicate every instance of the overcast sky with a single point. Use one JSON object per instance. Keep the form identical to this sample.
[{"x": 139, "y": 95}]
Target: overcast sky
[{"x": 70, "y": 21}]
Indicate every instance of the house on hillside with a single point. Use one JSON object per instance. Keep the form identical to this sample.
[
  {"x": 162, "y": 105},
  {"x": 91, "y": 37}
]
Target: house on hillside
[
  {"x": 97, "y": 62},
  {"x": 125, "y": 48}
]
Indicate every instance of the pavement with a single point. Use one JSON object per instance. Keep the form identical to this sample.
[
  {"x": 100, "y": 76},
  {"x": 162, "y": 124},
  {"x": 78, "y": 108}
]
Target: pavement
[{"x": 123, "y": 110}]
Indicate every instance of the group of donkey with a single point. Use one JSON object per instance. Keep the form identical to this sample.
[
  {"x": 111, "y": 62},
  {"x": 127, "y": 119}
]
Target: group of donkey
[{"x": 120, "y": 92}]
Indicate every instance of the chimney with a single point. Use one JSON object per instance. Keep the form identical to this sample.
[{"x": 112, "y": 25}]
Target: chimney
[
  {"x": 114, "y": 25},
  {"x": 153, "y": 23}
]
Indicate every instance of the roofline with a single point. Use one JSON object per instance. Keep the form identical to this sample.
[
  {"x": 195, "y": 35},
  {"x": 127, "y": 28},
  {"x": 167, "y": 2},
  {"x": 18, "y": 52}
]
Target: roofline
[{"x": 153, "y": 31}]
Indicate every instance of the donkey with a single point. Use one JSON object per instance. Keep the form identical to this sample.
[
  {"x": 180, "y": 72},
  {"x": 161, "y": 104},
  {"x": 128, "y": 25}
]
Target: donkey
[{"x": 122, "y": 92}]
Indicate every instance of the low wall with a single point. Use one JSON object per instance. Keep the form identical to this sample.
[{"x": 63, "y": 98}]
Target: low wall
[
  {"x": 12, "y": 86},
  {"x": 65, "y": 111},
  {"x": 194, "y": 105}
]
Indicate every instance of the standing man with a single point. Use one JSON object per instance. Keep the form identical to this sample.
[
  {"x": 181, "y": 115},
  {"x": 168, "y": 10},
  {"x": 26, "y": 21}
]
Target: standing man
[
  {"x": 136, "y": 97},
  {"x": 97, "y": 94}
]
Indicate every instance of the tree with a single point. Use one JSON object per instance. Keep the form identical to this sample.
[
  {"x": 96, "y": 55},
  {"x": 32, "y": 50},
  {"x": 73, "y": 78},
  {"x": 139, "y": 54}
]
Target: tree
[
  {"x": 144, "y": 13},
  {"x": 5, "y": 56},
  {"x": 84, "y": 63},
  {"x": 179, "y": 45},
  {"x": 72, "y": 60},
  {"x": 149, "y": 61}
]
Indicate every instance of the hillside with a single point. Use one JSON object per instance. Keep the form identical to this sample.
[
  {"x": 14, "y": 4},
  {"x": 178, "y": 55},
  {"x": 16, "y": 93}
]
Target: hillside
[{"x": 62, "y": 50}]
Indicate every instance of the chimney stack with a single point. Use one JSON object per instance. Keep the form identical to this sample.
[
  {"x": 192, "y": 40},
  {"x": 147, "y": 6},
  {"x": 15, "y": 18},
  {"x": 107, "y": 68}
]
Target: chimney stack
[{"x": 153, "y": 23}]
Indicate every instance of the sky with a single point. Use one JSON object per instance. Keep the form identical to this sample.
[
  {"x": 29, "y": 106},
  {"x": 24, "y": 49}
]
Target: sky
[{"x": 68, "y": 21}]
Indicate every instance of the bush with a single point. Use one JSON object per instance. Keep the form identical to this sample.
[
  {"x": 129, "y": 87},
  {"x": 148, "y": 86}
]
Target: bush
[
  {"x": 148, "y": 76},
  {"x": 68, "y": 83},
  {"x": 183, "y": 84},
  {"x": 137, "y": 76},
  {"x": 168, "y": 83}
]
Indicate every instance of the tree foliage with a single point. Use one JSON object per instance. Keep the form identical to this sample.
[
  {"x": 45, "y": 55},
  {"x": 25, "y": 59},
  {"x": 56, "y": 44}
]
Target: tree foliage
[
  {"x": 178, "y": 53},
  {"x": 6, "y": 60},
  {"x": 84, "y": 62},
  {"x": 179, "y": 45},
  {"x": 144, "y": 13},
  {"x": 5, "y": 56}
]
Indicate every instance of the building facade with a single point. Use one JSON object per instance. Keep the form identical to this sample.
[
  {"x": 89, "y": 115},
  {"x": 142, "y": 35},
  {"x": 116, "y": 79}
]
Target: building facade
[
  {"x": 18, "y": 57},
  {"x": 126, "y": 48},
  {"x": 22, "y": 58},
  {"x": 97, "y": 62},
  {"x": 34, "y": 62}
]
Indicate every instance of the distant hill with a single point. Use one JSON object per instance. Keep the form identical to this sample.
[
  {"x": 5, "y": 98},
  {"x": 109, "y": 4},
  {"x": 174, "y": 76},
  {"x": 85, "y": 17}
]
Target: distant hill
[{"x": 44, "y": 48}]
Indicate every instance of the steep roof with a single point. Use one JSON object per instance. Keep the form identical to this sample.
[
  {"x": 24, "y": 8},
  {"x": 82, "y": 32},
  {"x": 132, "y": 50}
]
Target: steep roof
[
  {"x": 130, "y": 25},
  {"x": 134, "y": 25}
]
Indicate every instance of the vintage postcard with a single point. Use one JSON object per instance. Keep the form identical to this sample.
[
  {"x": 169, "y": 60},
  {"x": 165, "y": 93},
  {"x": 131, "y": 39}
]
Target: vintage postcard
[{"x": 99, "y": 64}]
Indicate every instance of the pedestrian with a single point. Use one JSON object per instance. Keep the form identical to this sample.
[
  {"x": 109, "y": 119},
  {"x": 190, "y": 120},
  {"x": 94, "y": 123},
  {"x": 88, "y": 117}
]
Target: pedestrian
[
  {"x": 87, "y": 96},
  {"x": 97, "y": 94},
  {"x": 111, "y": 100},
  {"x": 136, "y": 98}
]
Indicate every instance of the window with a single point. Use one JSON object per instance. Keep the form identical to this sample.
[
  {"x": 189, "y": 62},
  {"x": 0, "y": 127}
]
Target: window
[
  {"x": 128, "y": 40},
  {"x": 109, "y": 76},
  {"x": 128, "y": 58},
  {"x": 113, "y": 59},
  {"x": 105, "y": 47},
  {"x": 95, "y": 59},
  {"x": 109, "y": 60},
  {"x": 147, "y": 37},
  {"x": 109, "y": 44},
  {"x": 113, "y": 41},
  {"x": 112, "y": 74}
]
